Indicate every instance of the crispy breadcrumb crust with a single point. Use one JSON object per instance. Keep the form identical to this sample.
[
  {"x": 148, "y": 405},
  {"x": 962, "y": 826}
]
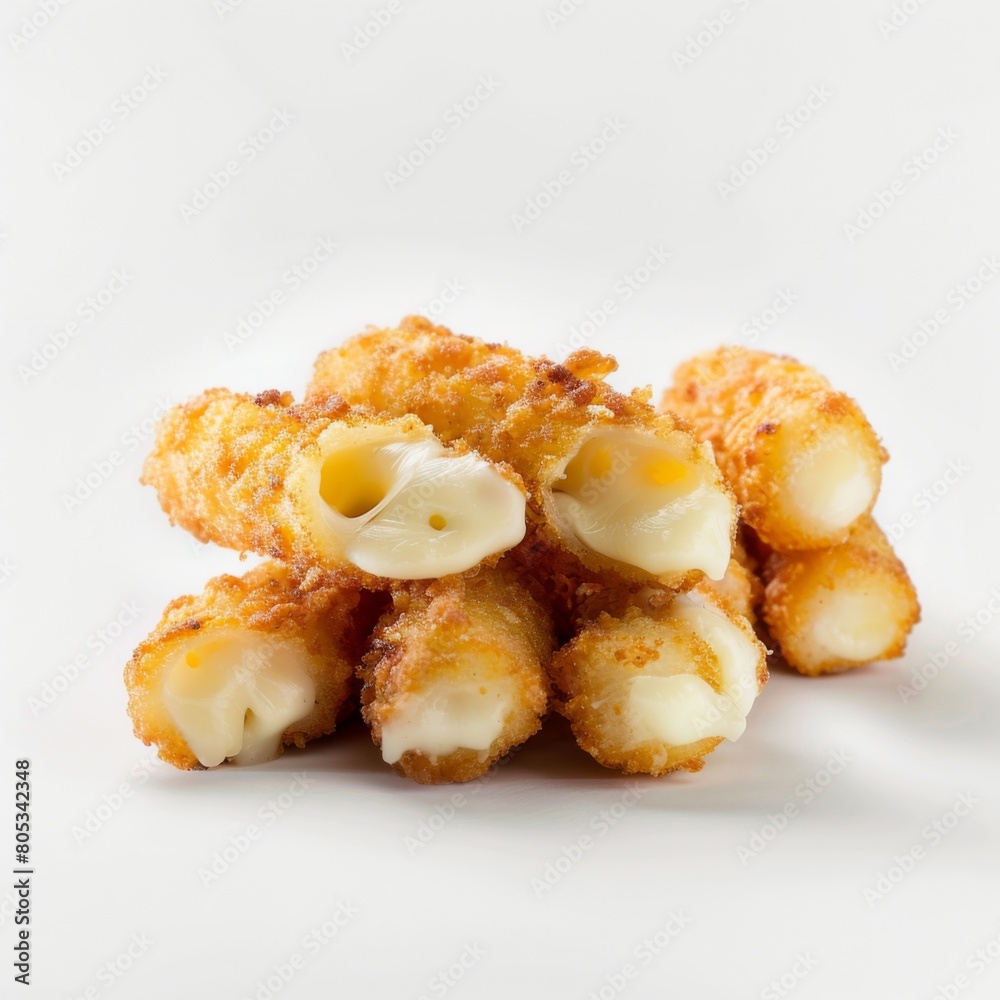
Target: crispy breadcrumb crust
[
  {"x": 323, "y": 616},
  {"x": 739, "y": 592},
  {"x": 227, "y": 467},
  {"x": 432, "y": 629},
  {"x": 532, "y": 414},
  {"x": 866, "y": 562},
  {"x": 738, "y": 399}
]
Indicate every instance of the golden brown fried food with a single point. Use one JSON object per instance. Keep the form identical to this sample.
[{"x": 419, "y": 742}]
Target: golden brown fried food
[
  {"x": 619, "y": 487},
  {"x": 804, "y": 462},
  {"x": 251, "y": 664},
  {"x": 740, "y": 591},
  {"x": 331, "y": 484},
  {"x": 456, "y": 674},
  {"x": 653, "y": 682},
  {"x": 840, "y": 607}
]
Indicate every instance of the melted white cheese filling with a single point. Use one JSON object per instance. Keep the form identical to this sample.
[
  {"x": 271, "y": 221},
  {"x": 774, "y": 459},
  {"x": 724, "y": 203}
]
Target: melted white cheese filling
[
  {"x": 829, "y": 485},
  {"x": 448, "y": 716},
  {"x": 411, "y": 509},
  {"x": 682, "y": 708},
  {"x": 232, "y": 694},
  {"x": 625, "y": 495},
  {"x": 851, "y": 625},
  {"x": 737, "y": 654}
]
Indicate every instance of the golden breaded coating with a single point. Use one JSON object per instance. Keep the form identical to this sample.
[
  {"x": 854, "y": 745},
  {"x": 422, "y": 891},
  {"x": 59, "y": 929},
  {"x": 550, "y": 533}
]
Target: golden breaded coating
[
  {"x": 653, "y": 682},
  {"x": 740, "y": 591},
  {"x": 619, "y": 487},
  {"x": 804, "y": 462},
  {"x": 388, "y": 370},
  {"x": 840, "y": 607},
  {"x": 331, "y": 484},
  {"x": 455, "y": 676},
  {"x": 251, "y": 664}
]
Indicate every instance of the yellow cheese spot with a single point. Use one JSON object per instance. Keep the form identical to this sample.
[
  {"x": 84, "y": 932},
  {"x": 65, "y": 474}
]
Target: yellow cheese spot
[
  {"x": 592, "y": 461},
  {"x": 665, "y": 471},
  {"x": 349, "y": 485},
  {"x": 195, "y": 657},
  {"x": 600, "y": 462}
]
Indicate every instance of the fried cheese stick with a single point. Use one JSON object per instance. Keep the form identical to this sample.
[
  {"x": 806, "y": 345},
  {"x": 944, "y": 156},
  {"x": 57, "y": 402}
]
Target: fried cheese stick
[
  {"x": 331, "y": 484},
  {"x": 250, "y": 665},
  {"x": 653, "y": 682},
  {"x": 802, "y": 458},
  {"x": 840, "y": 607},
  {"x": 455, "y": 676},
  {"x": 611, "y": 482}
]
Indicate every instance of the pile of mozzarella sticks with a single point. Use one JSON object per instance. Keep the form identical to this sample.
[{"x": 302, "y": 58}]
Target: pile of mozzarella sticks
[{"x": 464, "y": 539}]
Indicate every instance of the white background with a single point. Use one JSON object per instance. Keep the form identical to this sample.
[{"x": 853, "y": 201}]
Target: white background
[{"x": 69, "y": 568}]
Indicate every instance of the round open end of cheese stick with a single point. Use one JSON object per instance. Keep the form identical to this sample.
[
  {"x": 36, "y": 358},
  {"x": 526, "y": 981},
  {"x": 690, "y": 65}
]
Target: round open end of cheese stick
[
  {"x": 856, "y": 625},
  {"x": 404, "y": 506},
  {"x": 454, "y": 676},
  {"x": 658, "y": 687},
  {"x": 840, "y": 607},
  {"x": 630, "y": 497},
  {"x": 232, "y": 694},
  {"x": 827, "y": 477},
  {"x": 736, "y": 650},
  {"x": 860, "y": 617},
  {"x": 448, "y": 716},
  {"x": 679, "y": 708}
]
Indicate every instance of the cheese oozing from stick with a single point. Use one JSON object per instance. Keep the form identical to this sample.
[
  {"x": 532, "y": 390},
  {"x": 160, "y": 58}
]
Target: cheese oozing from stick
[
  {"x": 411, "y": 509},
  {"x": 677, "y": 708},
  {"x": 233, "y": 693},
  {"x": 448, "y": 716},
  {"x": 681, "y": 709},
  {"x": 735, "y": 651},
  {"x": 628, "y": 496}
]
